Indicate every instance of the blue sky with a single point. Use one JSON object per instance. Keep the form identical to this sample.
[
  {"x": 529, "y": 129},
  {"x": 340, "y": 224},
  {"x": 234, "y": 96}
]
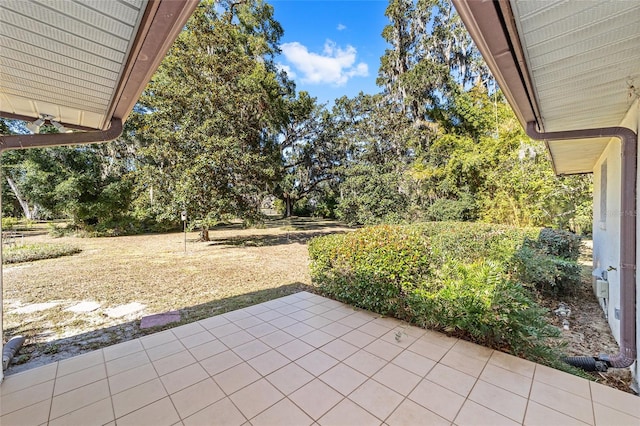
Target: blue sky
[{"x": 331, "y": 48}]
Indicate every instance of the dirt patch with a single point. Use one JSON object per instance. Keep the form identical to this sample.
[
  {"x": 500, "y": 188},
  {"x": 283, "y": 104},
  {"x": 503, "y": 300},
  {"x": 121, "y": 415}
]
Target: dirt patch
[{"x": 589, "y": 333}]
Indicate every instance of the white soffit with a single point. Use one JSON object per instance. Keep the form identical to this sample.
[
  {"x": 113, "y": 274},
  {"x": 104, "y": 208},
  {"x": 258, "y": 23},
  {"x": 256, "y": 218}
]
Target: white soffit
[
  {"x": 581, "y": 56},
  {"x": 576, "y": 156},
  {"x": 65, "y": 58}
]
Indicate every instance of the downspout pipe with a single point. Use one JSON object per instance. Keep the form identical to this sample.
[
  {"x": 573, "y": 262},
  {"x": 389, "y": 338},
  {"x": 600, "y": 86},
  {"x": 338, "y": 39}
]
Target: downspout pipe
[{"x": 629, "y": 161}]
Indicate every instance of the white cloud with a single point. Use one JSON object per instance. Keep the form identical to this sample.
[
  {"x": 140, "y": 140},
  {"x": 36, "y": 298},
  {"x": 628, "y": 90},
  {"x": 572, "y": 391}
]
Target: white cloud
[
  {"x": 333, "y": 66},
  {"x": 341, "y": 27},
  {"x": 287, "y": 69}
]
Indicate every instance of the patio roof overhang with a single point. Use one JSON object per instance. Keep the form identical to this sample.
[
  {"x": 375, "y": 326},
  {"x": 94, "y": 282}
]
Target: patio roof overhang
[
  {"x": 563, "y": 65},
  {"x": 84, "y": 64}
]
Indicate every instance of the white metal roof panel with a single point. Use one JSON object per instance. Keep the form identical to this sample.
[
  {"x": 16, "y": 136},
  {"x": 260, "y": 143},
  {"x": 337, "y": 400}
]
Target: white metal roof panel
[{"x": 65, "y": 58}]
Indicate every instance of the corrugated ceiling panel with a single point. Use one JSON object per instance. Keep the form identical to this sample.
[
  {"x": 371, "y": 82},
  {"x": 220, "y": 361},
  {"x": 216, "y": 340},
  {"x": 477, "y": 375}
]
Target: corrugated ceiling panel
[
  {"x": 64, "y": 58},
  {"x": 590, "y": 150},
  {"x": 581, "y": 56}
]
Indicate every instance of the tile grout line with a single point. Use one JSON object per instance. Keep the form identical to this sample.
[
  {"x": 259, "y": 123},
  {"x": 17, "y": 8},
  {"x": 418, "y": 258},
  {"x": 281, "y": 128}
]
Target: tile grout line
[{"x": 55, "y": 377}]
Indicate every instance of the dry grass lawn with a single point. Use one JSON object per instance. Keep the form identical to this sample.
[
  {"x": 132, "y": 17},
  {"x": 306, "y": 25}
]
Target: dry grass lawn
[{"x": 118, "y": 280}]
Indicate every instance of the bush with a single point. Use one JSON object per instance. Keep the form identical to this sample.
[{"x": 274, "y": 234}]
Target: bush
[
  {"x": 452, "y": 277},
  {"x": 548, "y": 263},
  {"x": 32, "y": 252},
  {"x": 9, "y": 223}
]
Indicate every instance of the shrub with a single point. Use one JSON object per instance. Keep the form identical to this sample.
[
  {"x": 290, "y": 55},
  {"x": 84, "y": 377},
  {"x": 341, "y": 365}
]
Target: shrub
[
  {"x": 32, "y": 252},
  {"x": 8, "y": 223},
  {"x": 453, "y": 277},
  {"x": 559, "y": 243}
]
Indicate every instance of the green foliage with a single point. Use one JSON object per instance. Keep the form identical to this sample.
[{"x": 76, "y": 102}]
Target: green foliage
[
  {"x": 447, "y": 276},
  {"x": 549, "y": 263},
  {"x": 9, "y": 223},
  {"x": 33, "y": 252}
]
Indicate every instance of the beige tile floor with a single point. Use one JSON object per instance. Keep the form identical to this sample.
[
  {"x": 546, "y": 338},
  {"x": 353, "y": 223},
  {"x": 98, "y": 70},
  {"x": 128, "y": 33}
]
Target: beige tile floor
[{"x": 303, "y": 360}]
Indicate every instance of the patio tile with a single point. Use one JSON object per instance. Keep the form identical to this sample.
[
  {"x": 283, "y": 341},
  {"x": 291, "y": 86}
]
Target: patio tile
[
  {"x": 294, "y": 349},
  {"x": 298, "y": 329},
  {"x": 373, "y": 329},
  {"x": 237, "y": 339},
  {"x": 220, "y": 362},
  {"x": 159, "y": 413},
  {"x": 256, "y": 398},
  {"x": 80, "y": 362},
  {"x": 472, "y": 350},
  {"x": 336, "y": 329},
  {"x": 284, "y": 412},
  {"x": 512, "y": 363},
  {"x": 261, "y": 329},
  {"x": 607, "y": 415},
  {"x": 316, "y": 362},
  {"x": 348, "y": 413},
  {"x": 197, "y": 339},
  {"x": 286, "y": 310},
  {"x": 473, "y": 414},
  {"x": 343, "y": 378},
  {"x": 399, "y": 337},
  {"x": 236, "y": 315},
  {"x": 627, "y": 403},
  {"x": 268, "y": 362},
  {"x": 79, "y": 379},
  {"x": 196, "y": 397},
  {"x": 277, "y": 338},
  {"x": 289, "y": 378},
  {"x": 365, "y": 362},
  {"x": 413, "y": 362},
  {"x": 236, "y": 378},
  {"x": 398, "y": 379},
  {"x": 97, "y": 414},
  {"x": 335, "y": 314},
  {"x": 157, "y": 339},
  {"x": 384, "y": 350},
  {"x": 505, "y": 379},
  {"x": 222, "y": 412},
  {"x": 434, "y": 397},
  {"x": 428, "y": 349},
  {"x": 182, "y": 378},
  {"x": 339, "y": 349},
  {"x": 409, "y": 413},
  {"x": 251, "y": 349},
  {"x": 354, "y": 320},
  {"x": 224, "y": 330},
  {"x": 539, "y": 415},
  {"x": 439, "y": 339},
  {"x": 187, "y": 330},
  {"x": 256, "y": 309},
  {"x": 560, "y": 400},
  {"x": 29, "y": 378},
  {"x": 452, "y": 379},
  {"x": 269, "y": 315},
  {"x": 78, "y": 398},
  {"x": 131, "y": 378},
  {"x": 499, "y": 400},
  {"x": 25, "y": 397},
  {"x": 304, "y": 304},
  {"x": 32, "y": 415},
  {"x": 317, "y": 338},
  {"x": 316, "y": 398},
  {"x": 208, "y": 349},
  {"x": 138, "y": 397},
  {"x": 282, "y": 322},
  {"x": 127, "y": 362},
  {"x": 318, "y": 322},
  {"x": 318, "y": 309},
  {"x": 302, "y": 315},
  {"x": 388, "y": 322},
  {"x": 562, "y": 380},
  {"x": 466, "y": 364},
  {"x": 213, "y": 322},
  {"x": 358, "y": 338},
  {"x": 173, "y": 362},
  {"x": 377, "y": 399},
  {"x": 332, "y": 303},
  {"x": 165, "y": 350}
]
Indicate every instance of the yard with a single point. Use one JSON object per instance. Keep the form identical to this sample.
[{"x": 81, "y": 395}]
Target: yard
[
  {"x": 72, "y": 304},
  {"x": 69, "y": 305}
]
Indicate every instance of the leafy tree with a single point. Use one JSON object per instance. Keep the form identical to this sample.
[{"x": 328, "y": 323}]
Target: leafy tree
[{"x": 207, "y": 124}]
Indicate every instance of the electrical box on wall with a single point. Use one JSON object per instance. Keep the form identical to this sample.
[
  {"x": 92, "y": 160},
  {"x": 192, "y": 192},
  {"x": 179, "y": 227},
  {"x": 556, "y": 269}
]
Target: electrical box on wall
[{"x": 602, "y": 289}]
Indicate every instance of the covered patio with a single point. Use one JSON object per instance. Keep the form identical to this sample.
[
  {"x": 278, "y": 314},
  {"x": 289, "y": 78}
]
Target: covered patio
[{"x": 299, "y": 360}]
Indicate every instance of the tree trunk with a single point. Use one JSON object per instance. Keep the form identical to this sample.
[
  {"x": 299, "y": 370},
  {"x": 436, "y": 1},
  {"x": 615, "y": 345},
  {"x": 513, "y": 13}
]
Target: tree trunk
[
  {"x": 288, "y": 210},
  {"x": 28, "y": 213},
  {"x": 204, "y": 234}
]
